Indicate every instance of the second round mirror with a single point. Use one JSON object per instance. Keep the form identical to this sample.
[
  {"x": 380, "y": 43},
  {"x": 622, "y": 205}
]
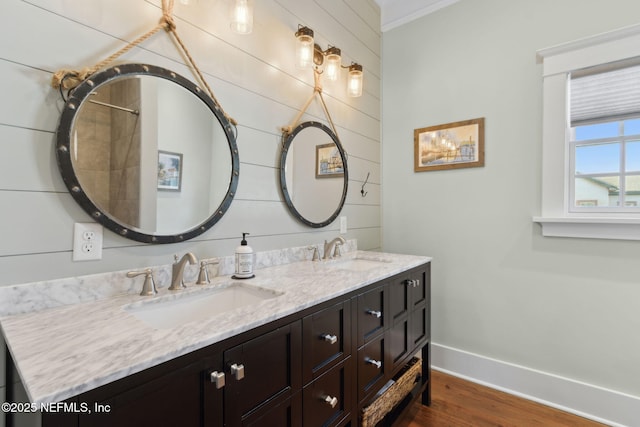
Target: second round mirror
[{"x": 313, "y": 174}]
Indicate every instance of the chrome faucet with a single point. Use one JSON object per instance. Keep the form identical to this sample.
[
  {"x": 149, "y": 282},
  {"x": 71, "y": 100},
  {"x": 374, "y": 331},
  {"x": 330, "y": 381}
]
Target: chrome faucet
[
  {"x": 329, "y": 248},
  {"x": 177, "y": 271}
]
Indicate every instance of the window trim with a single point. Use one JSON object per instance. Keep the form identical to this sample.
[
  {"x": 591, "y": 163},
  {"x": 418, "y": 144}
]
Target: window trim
[{"x": 558, "y": 62}]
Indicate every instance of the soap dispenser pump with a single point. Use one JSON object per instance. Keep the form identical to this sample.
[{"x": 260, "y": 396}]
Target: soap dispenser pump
[{"x": 244, "y": 260}]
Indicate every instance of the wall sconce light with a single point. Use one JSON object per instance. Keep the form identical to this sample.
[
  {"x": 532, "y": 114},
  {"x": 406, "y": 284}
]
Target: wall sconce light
[
  {"x": 354, "y": 81},
  {"x": 333, "y": 63},
  {"x": 304, "y": 47},
  {"x": 309, "y": 54},
  {"x": 242, "y": 16}
]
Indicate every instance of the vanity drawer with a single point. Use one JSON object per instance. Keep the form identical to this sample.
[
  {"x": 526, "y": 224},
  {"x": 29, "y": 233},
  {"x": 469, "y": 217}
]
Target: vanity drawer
[
  {"x": 371, "y": 367},
  {"x": 371, "y": 314},
  {"x": 327, "y": 401},
  {"x": 327, "y": 339}
]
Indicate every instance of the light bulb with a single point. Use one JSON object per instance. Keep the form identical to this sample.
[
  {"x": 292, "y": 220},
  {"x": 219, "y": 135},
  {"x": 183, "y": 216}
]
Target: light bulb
[
  {"x": 242, "y": 16},
  {"x": 332, "y": 69},
  {"x": 355, "y": 81},
  {"x": 304, "y": 47}
]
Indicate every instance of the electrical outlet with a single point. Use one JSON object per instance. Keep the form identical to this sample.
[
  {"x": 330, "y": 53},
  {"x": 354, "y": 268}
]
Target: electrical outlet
[
  {"x": 87, "y": 241},
  {"x": 343, "y": 224}
]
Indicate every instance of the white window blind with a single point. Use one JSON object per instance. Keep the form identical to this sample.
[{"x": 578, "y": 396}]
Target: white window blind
[{"x": 612, "y": 94}]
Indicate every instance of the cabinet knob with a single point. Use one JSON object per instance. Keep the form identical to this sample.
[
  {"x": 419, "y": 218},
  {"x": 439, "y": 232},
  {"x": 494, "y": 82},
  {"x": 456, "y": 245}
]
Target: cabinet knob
[
  {"x": 217, "y": 378},
  {"x": 333, "y": 401},
  {"x": 375, "y": 313},
  {"x": 237, "y": 371},
  {"x": 417, "y": 283},
  {"x": 373, "y": 362},
  {"x": 331, "y": 339}
]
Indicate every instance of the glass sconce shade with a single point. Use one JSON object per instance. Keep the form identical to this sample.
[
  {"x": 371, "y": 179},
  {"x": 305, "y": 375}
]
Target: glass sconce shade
[
  {"x": 354, "y": 82},
  {"x": 333, "y": 64},
  {"x": 242, "y": 16},
  {"x": 304, "y": 47}
]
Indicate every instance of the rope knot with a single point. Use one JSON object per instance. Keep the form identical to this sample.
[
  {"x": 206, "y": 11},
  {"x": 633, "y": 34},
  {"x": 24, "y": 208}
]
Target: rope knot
[
  {"x": 68, "y": 79},
  {"x": 167, "y": 22}
]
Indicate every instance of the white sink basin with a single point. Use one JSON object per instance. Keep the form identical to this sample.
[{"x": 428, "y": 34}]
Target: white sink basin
[
  {"x": 357, "y": 264},
  {"x": 174, "y": 310}
]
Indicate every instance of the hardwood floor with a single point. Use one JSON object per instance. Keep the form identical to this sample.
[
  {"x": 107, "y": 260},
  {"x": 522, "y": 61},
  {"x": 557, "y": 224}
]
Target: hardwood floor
[{"x": 456, "y": 402}]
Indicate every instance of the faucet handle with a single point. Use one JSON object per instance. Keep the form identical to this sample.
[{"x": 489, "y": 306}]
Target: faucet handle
[
  {"x": 203, "y": 275},
  {"x": 316, "y": 255},
  {"x": 149, "y": 286},
  {"x": 336, "y": 251}
]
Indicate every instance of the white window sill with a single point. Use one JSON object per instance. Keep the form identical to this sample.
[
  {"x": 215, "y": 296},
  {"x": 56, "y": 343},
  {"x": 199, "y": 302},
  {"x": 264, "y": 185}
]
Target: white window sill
[{"x": 590, "y": 228}]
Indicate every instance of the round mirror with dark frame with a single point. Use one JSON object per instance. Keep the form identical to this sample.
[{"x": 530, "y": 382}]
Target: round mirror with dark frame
[
  {"x": 313, "y": 174},
  {"x": 147, "y": 153}
]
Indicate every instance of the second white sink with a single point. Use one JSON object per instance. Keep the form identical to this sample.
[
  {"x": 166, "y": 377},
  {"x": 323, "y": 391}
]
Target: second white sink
[{"x": 174, "y": 310}]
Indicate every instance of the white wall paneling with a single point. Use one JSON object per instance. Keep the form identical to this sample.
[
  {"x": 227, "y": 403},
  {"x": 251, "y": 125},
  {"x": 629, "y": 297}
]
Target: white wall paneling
[{"x": 252, "y": 76}]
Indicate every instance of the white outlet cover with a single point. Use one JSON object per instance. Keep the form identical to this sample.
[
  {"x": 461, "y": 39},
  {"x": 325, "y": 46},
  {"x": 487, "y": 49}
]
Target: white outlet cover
[
  {"x": 87, "y": 241},
  {"x": 343, "y": 224}
]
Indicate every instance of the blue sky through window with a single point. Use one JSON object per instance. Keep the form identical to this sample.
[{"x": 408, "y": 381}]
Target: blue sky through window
[{"x": 605, "y": 158}]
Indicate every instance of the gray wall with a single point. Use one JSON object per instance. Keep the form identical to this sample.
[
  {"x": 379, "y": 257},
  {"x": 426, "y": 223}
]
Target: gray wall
[
  {"x": 252, "y": 76},
  {"x": 563, "y": 306}
]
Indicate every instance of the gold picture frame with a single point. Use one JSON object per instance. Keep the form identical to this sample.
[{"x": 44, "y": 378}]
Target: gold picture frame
[
  {"x": 328, "y": 161},
  {"x": 449, "y": 146}
]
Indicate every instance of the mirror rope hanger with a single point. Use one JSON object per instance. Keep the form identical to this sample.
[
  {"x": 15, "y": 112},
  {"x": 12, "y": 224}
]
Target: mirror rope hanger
[
  {"x": 317, "y": 90},
  {"x": 69, "y": 79}
]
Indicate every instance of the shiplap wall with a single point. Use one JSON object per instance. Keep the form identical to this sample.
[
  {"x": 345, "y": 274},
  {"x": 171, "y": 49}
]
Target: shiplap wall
[{"x": 253, "y": 77}]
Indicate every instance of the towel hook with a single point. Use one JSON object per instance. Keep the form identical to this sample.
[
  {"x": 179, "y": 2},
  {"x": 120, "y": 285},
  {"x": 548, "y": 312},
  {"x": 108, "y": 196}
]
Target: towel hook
[{"x": 364, "y": 193}]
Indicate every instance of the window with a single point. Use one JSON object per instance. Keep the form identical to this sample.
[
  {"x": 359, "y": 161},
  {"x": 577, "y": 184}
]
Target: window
[
  {"x": 591, "y": 137},
  {"x": 605, "y": 172}
]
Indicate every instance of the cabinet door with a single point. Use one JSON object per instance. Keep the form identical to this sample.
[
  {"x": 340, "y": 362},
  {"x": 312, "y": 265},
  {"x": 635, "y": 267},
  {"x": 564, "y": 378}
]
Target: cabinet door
[
  {"x": 399, "y": 297},
  {"x": 326, "y": 339},
  {"x": 371, "y": 314},
  {"x": 261, "y": 372},
  {"x": 400, "y": 342},
  {"x": 419, "y": 287},
  {"x": 173, "y": 399},
  {"x": 420, "y": 303},
  {"x": 409, "y": 308}
]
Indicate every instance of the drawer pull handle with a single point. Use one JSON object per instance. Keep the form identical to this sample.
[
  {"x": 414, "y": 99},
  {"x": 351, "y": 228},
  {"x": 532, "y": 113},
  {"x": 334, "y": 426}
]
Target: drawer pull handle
[
  {"x": 376, "y": 363},
  {"x": 410, "y": 282},
  {"x": 237, "y": 371},
  {"x": 333, "y": 401},
  {"x": 331, "y": 339},
  {"x": 417, "y": 283},
  {"x": 375, "y": 313},
  {"x": 217, "y": 378}
]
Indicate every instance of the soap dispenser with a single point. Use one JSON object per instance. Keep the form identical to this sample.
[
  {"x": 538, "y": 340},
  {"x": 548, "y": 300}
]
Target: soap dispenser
[{"x": 244, "y": 260}]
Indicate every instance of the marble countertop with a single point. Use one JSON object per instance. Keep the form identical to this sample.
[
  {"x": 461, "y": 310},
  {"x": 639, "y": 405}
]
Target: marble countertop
[{"x": 63, "y": 351}]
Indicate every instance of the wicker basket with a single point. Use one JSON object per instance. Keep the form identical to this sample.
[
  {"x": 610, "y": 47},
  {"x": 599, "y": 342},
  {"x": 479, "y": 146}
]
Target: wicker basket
[{"x": 376, "y": 411}]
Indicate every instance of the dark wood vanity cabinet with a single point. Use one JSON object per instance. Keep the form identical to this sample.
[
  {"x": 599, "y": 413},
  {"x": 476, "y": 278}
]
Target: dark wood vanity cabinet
[{"x": 317, "y": 368}]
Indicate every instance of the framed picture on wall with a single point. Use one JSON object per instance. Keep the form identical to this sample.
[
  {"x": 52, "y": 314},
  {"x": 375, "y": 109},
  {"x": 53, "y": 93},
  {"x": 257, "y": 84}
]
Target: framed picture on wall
[
  {"x": 449, "y": 146},
  {"x": 328, "y": 161},
  {"x": 169, "y": 171}
]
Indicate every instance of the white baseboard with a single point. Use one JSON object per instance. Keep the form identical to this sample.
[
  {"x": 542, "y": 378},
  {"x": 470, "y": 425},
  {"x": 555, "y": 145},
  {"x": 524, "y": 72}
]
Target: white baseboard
[{"x": 596, "y": 403}]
